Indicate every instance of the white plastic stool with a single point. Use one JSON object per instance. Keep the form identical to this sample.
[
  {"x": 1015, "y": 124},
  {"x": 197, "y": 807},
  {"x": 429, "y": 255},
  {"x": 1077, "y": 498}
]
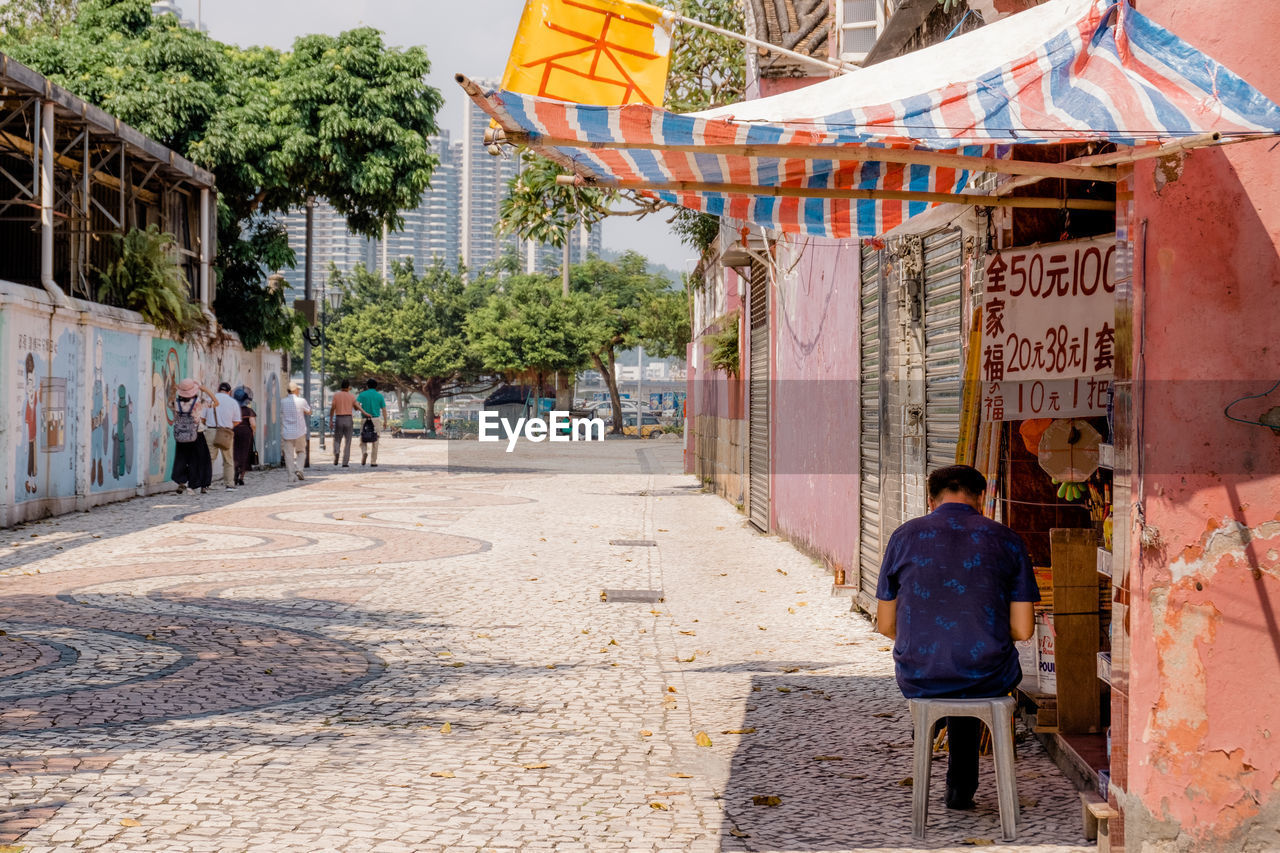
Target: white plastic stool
[{"x": 997, "y": 713}]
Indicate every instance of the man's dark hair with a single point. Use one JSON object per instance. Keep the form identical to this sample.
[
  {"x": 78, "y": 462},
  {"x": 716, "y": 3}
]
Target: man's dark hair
[
  {"x": 224, "y": 386},
  {"x": 346, "y": 383},
  {"x": 372, "y": 383},
  {"x": 957, "y": 478}
]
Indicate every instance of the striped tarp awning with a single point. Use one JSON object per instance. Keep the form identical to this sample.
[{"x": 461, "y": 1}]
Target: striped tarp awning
[{"x": 858, "y": 154}]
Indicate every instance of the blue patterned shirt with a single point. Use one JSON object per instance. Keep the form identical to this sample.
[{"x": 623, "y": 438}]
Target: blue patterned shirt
[{"x": 954, "y": 573}]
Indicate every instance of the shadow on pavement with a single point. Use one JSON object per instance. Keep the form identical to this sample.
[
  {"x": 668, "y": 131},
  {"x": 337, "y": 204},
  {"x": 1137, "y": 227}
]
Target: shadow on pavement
[{"x": 836, "y": 752}]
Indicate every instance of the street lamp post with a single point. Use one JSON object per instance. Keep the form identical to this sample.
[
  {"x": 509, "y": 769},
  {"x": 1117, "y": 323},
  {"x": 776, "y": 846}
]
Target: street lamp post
[{"x": 328, "y": 298}]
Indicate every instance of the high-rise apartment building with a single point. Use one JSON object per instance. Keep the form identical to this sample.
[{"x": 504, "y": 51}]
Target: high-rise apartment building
[
  {"x": 484, "y": 185},
  {"x": 169, "y": 7},
  {"x": 331, "y": 243},
  {"x": 454, "y": 224}
]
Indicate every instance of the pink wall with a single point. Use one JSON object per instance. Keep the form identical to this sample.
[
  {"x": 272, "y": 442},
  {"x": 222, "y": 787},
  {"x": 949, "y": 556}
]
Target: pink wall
[
  {"x": 814, "y": 429},
  {"x": 1204, "y": 715}
]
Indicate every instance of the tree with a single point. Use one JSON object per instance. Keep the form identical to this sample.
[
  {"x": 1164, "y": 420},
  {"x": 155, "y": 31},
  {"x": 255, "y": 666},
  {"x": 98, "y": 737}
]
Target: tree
[
  {"x": 409, "y": 332},
  {"x": 21, "y": 18},
  {"x": 530, "y": 329},
  {"x": 707, "y": 70},
  {"x": 630, "y": 307},
  {"x": 342, "y": 117}
]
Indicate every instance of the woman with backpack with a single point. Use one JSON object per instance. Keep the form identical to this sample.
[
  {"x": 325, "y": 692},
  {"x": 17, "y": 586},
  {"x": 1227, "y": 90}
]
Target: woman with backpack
[{"x": 192, "y": 467}]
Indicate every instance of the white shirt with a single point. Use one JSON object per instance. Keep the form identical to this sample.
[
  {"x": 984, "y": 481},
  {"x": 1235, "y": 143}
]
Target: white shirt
[
  {"x": 227, "y": 413},
  {"x": 293, "y": 417}
]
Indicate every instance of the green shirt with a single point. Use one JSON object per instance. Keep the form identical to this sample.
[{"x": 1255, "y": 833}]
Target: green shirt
[{"x": 372, "y": 402}]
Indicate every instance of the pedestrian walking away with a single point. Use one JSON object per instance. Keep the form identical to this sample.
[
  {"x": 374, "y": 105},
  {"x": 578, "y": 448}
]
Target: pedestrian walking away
[
  {"x": 220, "y": 422},
  {"x": 294, "y": 411},
  {"x": 956, "y": 590},
  {"x": 342, "y": 410},
  {"x": 192, "y": 465},
  {"x": 372, "y": 405},
  {"x": 244, "y": 432}
]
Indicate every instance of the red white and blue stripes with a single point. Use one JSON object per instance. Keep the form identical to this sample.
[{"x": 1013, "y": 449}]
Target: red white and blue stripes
[{"x": 1073, "y": 70}]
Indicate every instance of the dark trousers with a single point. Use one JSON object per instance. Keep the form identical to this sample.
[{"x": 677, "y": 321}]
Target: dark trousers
[
  {"x": 963, "y": 734},
  {"x": 342, "y": 431},
  {"x": 192, "y": 466}
]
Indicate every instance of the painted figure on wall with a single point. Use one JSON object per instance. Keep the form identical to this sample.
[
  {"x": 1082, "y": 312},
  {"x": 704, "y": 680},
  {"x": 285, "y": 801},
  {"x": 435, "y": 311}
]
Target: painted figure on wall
[
  {"x": 123, "y": 456},
  {"x": 167, "y": 364},
  {"x": 30, "y": 418},
  {"x": 99, "y": 421},
  {"x": 47, "y": 388}
]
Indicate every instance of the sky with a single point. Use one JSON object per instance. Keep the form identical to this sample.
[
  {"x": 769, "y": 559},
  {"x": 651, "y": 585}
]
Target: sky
[{"x": 468, "y": 36}]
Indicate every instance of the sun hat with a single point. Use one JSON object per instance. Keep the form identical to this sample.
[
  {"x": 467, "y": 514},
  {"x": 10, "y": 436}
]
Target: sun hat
[
  {"x": 188, "y": 387},
  {"x": 294, "y": 387},
  {"x": 241, "y": 394}
]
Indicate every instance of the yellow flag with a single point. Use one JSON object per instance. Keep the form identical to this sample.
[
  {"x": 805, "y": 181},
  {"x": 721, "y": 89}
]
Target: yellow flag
[{"x": 605, "y": 52}]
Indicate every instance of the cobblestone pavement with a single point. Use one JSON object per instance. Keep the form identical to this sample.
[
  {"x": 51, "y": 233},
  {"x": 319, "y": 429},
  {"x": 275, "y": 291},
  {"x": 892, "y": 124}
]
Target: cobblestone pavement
[{"x": 417, "y": 658}]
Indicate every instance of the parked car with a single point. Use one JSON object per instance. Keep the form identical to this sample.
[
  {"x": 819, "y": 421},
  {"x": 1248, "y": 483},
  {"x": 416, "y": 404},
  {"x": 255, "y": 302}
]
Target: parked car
[{"x": 649, "y": 426}]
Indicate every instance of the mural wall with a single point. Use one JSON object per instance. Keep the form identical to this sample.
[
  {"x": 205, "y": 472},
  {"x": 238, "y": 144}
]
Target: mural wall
[
  {"x": 89, "y": 396},
  {"x": 47, "y": 381},
  {"x": 113, "y": 411},
  {"x": 168, "y": 368}
]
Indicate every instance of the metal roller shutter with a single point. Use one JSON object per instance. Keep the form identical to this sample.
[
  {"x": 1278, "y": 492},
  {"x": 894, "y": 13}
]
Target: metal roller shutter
[
  {"x": 943, "y": 276},
  {"x": 869, "y": 405},
  {"x": 758, "y": 423}
]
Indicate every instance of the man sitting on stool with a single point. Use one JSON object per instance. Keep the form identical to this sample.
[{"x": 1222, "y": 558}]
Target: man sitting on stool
[{"x": 955, "y": 592}]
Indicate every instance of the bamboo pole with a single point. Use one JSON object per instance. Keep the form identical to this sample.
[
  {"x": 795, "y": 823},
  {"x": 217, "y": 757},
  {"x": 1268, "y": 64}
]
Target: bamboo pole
[
  {"x": 1129, "y": 155},
  {"x": 843, "y": 153},
  {"x": 73, "y": 166},
  {"x": 859, "y": 195},
  {"x": 839, "y": 66}
]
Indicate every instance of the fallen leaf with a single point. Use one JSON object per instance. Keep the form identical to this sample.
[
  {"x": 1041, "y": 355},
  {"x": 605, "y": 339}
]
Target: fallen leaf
[
  {"x": 738, "y": 833},
  {"x": 669, "y": 704},
  {"x": 828, "y": 758},
  {"x": 886, "y": 714},
  {"x": 482, "y": 636},
  {"x": 689, "y": 633},
  {"x": 791, "y": 610},
  {"x": 979, "y": 842},
  {"x": 680, "y": 775},
  {"x": 11, "y": 848},
  {"x": 604, "y": 596},
  {"x": 701, "y": 739},
  {"x": 784, "y": 689},
  {"x": 884, "y": 648},
  {"x": 1028, "y": 802},
  {"x": 646, "y": 733},
  {"x": 551, "y": 666},
  {"x": 613, "y": 642},
  {"x": 762, "y": 628},
  {"x": 670, "y": 689},
  {"x": 267, "y": 671},
  {"x": 660, "y": 806},
  {"x": 541, "y": 765},
  {"x": 792, "y": 669},
  {"x": 456, "y": 664},
  {"x": 780, "y": 571},
  {"x": 663, "y": 530},
  {"x": 586, "y": 630},
  {"x": 689, "y": 659},
  {"x": 443, "y": 774},
  {"x": 446, "y": 728},
  {"x": 444, "y": 654},
  {"x": 906, "y": 783},
  {"x": 128, "y": 821},
  {"x": 542, "y": 539},
  {"x": 766, "y": 800},
  {"x": 750, "y": 730}
]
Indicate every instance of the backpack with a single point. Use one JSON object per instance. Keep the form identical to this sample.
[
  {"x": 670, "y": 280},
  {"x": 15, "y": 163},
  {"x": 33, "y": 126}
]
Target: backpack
[
  {"x": 184, "y": 423},
  {"x": 368, "y": 431}
]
